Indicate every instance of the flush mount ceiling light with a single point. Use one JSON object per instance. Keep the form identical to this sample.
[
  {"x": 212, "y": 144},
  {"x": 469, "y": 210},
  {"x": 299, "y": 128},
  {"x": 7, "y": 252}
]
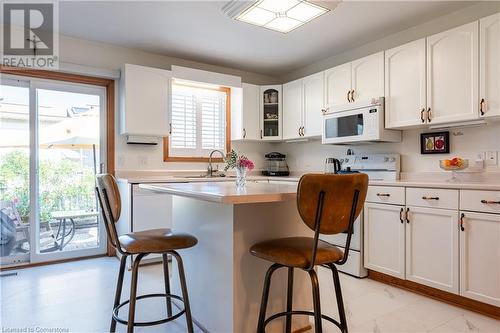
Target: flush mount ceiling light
[{"x": 281, "y": 15}]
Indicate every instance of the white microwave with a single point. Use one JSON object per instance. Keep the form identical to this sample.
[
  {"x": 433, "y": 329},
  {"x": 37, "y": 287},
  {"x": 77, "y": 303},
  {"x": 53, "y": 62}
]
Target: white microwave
[{"x": 363, "y": 124}]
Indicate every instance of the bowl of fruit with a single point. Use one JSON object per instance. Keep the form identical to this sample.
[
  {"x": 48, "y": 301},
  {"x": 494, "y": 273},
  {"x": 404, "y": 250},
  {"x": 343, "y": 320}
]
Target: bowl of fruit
[{"x": 454, "y": 164}]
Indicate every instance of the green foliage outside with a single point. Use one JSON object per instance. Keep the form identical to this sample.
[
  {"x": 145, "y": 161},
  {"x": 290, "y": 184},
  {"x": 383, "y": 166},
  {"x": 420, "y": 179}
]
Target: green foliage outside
[{"x": 64, "y": 185}]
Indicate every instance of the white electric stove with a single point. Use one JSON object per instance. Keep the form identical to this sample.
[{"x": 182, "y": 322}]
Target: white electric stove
[{"x": 377, "y": 167}]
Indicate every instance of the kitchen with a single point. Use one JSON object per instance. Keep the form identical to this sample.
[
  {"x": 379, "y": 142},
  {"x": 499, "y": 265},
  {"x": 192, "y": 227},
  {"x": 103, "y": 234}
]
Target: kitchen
[{"x": 414, "y": 107}]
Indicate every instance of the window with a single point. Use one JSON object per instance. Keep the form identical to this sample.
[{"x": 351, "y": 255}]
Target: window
[{"x": 199, "y": 122}]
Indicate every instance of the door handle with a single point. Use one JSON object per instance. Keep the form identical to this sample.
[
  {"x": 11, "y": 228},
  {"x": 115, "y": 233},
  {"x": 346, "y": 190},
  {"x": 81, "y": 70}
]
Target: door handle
[
  {"x": 462, "y": 222},
  {"x": 422, "y": 117},
  {"x": 481, "y": 106},
  {"x": 429, "y": 115}
]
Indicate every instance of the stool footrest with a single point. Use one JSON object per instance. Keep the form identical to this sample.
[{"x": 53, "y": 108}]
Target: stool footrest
[
  {"x": 149, "y": 323},
  {"x": 299, "y": 312}
]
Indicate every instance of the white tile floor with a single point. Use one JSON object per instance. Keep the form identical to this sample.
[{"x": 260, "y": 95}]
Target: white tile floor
[{"x": 77, "y": 297}]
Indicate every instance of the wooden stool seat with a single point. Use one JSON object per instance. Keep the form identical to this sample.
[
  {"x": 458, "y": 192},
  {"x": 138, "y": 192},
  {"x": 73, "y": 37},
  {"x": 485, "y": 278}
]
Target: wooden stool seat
[
  {"x": 156, "y": 241},
  {"x": 296, "y": 251}
]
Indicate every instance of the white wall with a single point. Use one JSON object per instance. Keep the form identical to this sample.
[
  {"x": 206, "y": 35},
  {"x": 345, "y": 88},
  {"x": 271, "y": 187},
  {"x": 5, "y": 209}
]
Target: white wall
[
  {"x": 140, "y": 157},
  {"x": 310, "y": 156}
]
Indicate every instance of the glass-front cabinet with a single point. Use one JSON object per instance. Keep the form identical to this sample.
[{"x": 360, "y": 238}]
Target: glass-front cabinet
[{"x": 271, "y": 116}]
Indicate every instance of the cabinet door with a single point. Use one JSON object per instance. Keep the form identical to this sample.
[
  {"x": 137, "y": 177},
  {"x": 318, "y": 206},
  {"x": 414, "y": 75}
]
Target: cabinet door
[
  {"x": 405, "y": 85},
  {"x": 479, "y": 257},
  {"x": 292, "y": 109},
  {"x": 384, "y": 239},
  {"x": 145, "y": 104},
  {"x": 270, "y": 112},
  {"x": 368, "y": 77},
  {"x": 452, "y": 75},
  {"x": 489, "y": 76},
  {"x": 251, "y": 123},
  {"x": 432, "y": 247},
  {"x": 337, "y": 86},
  {"x": 313, "y": 87}
]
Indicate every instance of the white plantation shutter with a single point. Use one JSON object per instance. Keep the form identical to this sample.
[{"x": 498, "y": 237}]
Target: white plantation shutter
[{"x": 198, "y": 121}]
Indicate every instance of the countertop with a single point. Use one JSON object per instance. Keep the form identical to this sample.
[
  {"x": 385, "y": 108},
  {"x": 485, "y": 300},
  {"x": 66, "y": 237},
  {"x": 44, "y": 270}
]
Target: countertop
[{"x": 226, "y": 192}]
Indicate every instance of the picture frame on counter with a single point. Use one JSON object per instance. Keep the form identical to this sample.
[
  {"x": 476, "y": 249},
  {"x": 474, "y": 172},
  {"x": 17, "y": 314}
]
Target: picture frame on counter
[{"x": 435, "y": 143}]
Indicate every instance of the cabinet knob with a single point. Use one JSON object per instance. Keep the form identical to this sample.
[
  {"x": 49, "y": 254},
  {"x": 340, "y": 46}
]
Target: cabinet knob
[
  {"x": 489, "y": 202},
  {"x": 481, "y": 106}
]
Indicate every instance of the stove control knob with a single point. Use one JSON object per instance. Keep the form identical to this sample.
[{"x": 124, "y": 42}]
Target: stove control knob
[
  {"x": 386, "y": 159},
  {"x": 392, "y": 159}
]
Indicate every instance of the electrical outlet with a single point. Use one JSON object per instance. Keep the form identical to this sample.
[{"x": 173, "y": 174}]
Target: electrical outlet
[{"x": 491, "y": 157}]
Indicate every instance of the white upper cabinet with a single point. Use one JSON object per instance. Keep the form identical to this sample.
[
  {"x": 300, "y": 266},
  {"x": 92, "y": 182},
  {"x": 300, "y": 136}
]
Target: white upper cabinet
[
  {"x": 338, "y": 83},
  {"x": 270, "y": 112},
  {"x": 453, "y": 75},
  {"x": 368, "y": 77},
  {"x": 145, "y": 101},
  {"x": 292, "y": 109},
  {"x": 489, "y": 86},
  {"x": 405, "y": 102},
  {"x": 313, "y": 87},
  {"x": 245, "y": 110},
  {"x": 303, "y": 107},
  {"x": 479, "y": 261}
]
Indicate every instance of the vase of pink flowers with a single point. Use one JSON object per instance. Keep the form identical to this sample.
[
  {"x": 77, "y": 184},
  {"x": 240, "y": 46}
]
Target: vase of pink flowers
[{"x": 242, "y": 165}]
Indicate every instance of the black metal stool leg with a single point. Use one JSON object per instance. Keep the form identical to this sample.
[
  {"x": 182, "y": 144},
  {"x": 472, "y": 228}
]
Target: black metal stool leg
[
  {"x": 118, "y": 293},
  {"x": 182, "y": 278},
  {"x": 289, "y": 300},
  {"x": 167, "y": 283},
  {"x": 316, "y": 301},
  {"x": 265, "y": 297},
  {"x": 338, "y": 295},
  {"x": 133, "y": 293}
]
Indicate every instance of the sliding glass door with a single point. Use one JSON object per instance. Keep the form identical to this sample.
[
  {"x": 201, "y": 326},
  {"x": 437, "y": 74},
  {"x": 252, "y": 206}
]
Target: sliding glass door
[{"x": 54, "y": 205}]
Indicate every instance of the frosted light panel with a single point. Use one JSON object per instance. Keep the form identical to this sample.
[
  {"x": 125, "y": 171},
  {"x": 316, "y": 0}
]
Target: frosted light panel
[{"x": 281, "y": 15}]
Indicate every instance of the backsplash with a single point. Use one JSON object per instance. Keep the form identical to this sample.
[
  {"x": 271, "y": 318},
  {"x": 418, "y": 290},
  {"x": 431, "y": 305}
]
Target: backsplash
[{"x": 466, "y": 143}]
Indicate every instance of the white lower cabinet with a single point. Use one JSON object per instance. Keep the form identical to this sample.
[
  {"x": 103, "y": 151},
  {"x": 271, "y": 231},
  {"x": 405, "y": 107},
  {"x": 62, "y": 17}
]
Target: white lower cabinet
[
  {"x": 384, "y": 239},
  {"x": 480, "y": 257},
  {"x": 432, "y": 247}
]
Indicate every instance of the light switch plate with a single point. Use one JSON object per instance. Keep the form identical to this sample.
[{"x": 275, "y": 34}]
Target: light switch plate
[{"x": 491, "y": 157}]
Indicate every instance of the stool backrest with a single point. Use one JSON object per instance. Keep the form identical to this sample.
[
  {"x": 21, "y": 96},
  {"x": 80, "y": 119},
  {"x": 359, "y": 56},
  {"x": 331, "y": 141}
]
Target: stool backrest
[
  {"x": 331, "y": 200},
  {"x": 110, "y": 202}
]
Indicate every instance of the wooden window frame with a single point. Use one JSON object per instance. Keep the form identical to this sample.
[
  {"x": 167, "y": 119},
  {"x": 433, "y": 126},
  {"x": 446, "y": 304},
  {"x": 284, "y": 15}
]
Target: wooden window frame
[
  {"x": 108, "y": 84},
  {"x": 168, "y": 158}
]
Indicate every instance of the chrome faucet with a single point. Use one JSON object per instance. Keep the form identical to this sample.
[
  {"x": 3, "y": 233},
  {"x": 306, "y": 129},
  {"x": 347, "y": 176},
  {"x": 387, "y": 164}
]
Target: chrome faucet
[{"x": 210, "y": 170}]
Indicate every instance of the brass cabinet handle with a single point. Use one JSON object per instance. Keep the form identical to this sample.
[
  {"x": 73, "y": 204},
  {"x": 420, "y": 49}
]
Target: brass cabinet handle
[
  {"x": 383, "y": 195},
  {"x": 429, "y": 115},
  {"x": 261, "y": 136},
  {"x": 401, "y": 216},
  {"x": 490, "y": 202},
  {"x": 352, "y": 96},
  {"x": 422, "y": 117},
  {"x": 481, "y": 106},
  {"x": 407, "y": 215},
  {"x": 430, "y": 198},
  {"x": 462, "y": 222}
]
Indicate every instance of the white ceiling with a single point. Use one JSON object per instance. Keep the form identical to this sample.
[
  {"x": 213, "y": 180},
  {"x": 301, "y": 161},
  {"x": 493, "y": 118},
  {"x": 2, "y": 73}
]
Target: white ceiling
[{"x": 200, "y": 31}]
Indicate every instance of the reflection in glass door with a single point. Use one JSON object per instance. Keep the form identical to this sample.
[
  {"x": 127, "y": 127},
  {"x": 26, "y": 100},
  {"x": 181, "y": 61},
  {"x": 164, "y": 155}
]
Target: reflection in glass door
[
  {"x": 14, "y": 172},
  {"x": 50, "y": 151},
  {"x": 69, "y": 156}
]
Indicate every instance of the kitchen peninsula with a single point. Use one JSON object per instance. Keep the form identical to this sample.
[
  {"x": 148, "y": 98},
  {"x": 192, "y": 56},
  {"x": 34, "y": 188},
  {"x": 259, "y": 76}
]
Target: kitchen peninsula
[{"x": 224, "y": 280}]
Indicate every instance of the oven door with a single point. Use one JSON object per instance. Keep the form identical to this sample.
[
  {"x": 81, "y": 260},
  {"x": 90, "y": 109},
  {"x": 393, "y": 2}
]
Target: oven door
[
  {"x": 344, "y": 126},
  {"x": 340, "y": 239}
]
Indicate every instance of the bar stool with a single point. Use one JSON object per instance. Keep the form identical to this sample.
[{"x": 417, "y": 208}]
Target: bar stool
[
  {"x": 327, "y": 204},
  {"x": 141, "y": 244}
]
